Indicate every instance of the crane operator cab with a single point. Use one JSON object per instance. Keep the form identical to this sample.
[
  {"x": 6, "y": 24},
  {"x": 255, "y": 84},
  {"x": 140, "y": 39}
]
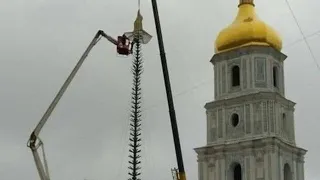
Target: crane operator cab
[{"x": 124, "y": 46}]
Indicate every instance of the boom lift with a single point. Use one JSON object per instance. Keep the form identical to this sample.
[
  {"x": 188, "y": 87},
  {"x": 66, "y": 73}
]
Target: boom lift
[{"x": 124, "y": 47}]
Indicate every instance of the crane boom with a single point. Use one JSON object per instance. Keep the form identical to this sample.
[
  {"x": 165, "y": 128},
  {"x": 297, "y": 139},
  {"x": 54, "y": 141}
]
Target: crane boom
[
  {"x": 181, "y": 175},
  {"x": 65, "y": 86},
  {"x": 33, "y": 144},
  {"x": 109, "y": 38}
]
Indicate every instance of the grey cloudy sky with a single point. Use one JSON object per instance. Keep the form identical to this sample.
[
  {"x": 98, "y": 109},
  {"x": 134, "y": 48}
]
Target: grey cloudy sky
[{"x": 86, "y": 136}]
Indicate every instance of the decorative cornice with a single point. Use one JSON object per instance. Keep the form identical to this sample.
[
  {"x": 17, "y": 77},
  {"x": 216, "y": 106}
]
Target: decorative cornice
[
  {"x": 248, "y": 50},
  {"x": 250, "y": 97},
  {"x": 266, "y": 144}
]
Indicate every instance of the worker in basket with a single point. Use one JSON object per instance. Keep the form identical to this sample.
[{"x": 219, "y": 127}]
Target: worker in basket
[{"x": 123, "y": 47}]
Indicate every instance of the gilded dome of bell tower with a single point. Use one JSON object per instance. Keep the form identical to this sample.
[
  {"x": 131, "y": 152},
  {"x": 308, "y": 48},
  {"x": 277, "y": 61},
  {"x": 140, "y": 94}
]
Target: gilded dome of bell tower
[{"x": 247, "y": 29}]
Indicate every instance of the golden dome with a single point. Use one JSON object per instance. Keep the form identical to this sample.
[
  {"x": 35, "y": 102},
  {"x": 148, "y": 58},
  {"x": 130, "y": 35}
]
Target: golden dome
[{"x": 247, "y": 29}]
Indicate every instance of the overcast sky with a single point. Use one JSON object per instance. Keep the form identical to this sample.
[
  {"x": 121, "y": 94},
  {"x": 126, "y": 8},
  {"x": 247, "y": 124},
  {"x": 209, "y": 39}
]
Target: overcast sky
[{"x": 87, "y": 135}]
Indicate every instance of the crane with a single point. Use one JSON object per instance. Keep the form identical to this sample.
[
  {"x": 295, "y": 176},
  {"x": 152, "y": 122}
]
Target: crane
[
  {"x": 179, "y": 173},
  {"x": 124, "y": 47}
]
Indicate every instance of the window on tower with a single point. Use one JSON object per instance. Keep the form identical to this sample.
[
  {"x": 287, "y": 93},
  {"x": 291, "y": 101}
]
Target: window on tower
[
  {"x": 287, "y": 172},
  {"x": 275, "y": 76},
  {"x": 234, "y": 119},
  {"x": 237, "y": 174},
  {"x": 235, "y": 76},
  {"x": 284, "y": 122},
  {"x": 284, "y": 116}
]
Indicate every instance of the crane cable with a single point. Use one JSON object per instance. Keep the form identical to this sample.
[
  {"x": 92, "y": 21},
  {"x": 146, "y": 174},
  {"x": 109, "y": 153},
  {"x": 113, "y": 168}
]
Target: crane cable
[
  {"x": 303, "y": 35},
  {"x": 139, "y": 5}
]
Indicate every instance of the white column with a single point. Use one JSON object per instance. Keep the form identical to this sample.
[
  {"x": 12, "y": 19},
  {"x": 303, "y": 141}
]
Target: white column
[
  {"x": 211, "y": 174},
  {"x": 217, "y": 170},
  {"x": 281, "y": 167},
  {"x": 223, "y": 169},
  {"x": 199, "y": 170},
  {"x": 274, "y": 165},
  {"x": 294, "y": 172},
  {"x": 252, "y": 80},
  {"x": 266, "y": 166},
  {"x": 253, "y": 167},
  {"x": 205, "y": 170}
]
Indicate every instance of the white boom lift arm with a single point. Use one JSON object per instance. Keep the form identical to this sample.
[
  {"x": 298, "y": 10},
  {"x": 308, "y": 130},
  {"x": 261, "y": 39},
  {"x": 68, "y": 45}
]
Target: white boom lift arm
[{"x": 34, "y": 141}]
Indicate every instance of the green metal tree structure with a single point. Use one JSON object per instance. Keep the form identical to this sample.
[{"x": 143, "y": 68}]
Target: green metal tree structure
[{"x": 135, "y": 117}]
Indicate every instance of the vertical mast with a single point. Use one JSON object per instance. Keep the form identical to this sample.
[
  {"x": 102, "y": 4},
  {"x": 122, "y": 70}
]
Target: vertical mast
[
  {"x": 135, "y": 117},
  {"x": 138, "y": 37}
]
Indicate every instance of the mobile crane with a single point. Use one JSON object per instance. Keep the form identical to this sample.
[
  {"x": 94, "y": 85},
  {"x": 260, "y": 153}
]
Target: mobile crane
[
  {"x": 124, "y": 46},
  {"x": 178, "y": 174}
]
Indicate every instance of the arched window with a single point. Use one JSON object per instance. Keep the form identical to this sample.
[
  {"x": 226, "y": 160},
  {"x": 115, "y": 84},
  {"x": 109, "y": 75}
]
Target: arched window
[
  {"x": 234, "y": 119},
  {"x": 237, "y": 174},
  {"x": 287, "y": 172},
  {"x": 235, "y": 76},
  {"x": 284, "y": 122},
  {"x": 275, "y": 76}
]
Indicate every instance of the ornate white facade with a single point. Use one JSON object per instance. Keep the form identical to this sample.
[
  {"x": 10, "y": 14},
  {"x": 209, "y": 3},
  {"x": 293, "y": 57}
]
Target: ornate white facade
[{"x": 250, "y": 125}]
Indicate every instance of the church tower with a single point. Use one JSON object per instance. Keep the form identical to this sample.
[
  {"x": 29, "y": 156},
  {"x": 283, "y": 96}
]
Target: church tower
[{"x": 250, "y": 124}]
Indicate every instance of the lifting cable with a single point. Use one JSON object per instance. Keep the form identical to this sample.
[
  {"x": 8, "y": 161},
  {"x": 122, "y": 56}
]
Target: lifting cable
[{"x": 303, "y": 36}]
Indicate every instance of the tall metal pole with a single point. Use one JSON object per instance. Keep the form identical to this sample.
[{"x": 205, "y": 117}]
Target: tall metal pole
[
  {"x": 135, "y": 115},
  {"x": 172, "y": 113}
]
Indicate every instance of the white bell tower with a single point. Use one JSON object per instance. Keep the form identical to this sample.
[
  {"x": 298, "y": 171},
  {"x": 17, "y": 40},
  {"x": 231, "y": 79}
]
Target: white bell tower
[{"x": 250, "y": 124}]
